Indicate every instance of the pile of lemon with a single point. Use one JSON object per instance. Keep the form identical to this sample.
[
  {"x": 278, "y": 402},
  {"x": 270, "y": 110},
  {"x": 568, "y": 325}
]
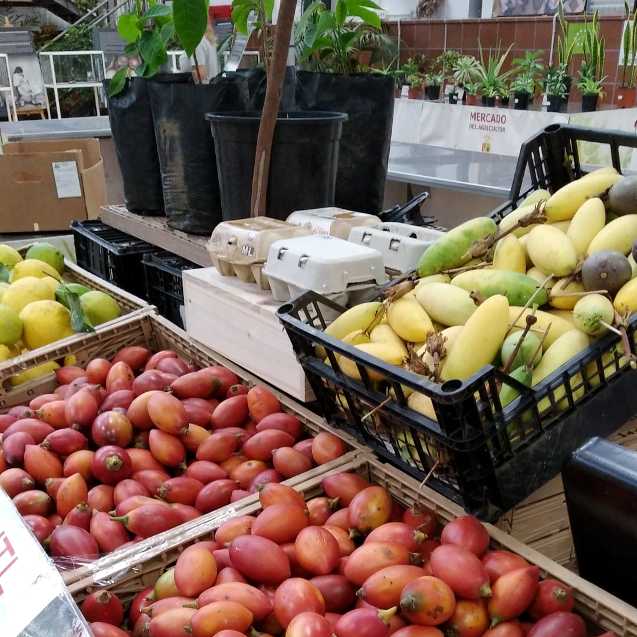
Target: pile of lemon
[{"x": 34, "y": 300}]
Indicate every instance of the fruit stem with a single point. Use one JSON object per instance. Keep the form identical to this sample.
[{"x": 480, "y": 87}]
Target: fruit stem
[
  {"x": 113, "y": 463},
  {"x": 485, "y": 591},
  {"x": 386, "y": 615},
  {"x": 419, "y": 536},
  {"x": 120, "y": 518},
  {"x": 416, "y": 559}
]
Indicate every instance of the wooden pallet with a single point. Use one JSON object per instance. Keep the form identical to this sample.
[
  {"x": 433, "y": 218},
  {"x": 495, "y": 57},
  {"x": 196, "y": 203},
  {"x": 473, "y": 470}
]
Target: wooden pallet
[{"x": 155, "y": 231}]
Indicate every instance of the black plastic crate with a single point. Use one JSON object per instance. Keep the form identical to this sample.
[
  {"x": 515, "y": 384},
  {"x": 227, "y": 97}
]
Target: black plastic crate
[
  {"x": 164, "y": 283},
  {"x": 111, "y": 254},
  {"x": 486, "y": 458}
]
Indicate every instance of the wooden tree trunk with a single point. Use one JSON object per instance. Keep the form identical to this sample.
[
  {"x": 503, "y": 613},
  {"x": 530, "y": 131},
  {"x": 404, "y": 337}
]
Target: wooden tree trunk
[{"x": 276, "y": 76}]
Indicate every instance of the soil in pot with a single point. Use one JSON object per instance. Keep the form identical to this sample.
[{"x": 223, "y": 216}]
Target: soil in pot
[
  {"x": 521, "y": 101},
  {"x": 555, "y": 103},
  {"x": 625, "y": 97},
  {"x": 134, "y": 136},
  {"x": 589, "y": 103},
  {"x": 303, "y": 165},
  {"x": 368, "y": 100},
  {"x": 192, "y": 199}
]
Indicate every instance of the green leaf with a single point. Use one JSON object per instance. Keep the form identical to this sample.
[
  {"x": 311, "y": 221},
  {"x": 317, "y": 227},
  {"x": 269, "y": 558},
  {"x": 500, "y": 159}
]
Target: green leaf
[
  {"x": 128, "y": 27},
  {"x": 5, "y": 273},
  {"x": 240, "y": 16},
  {"x": 117, "y": 83},
  {"x": 131, "y": 49},
  {"x": 157, "y": 11},
  {"x": 340, "y": 12},
  {"x": 79, "y": 322},
  {"x": 191, "y": 22},
  {"x": 167, "y": 32},
  {"x": 140, "y": 70},
  {"x": 152, "y": 49},
  {"x": 369, "y": 17},
  {"x": 268, "y": 6},
  {"x": 370, "y": 4}
]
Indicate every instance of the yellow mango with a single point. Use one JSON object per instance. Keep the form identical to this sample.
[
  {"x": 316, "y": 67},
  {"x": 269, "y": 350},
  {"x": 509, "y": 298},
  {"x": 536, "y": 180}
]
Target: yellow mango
[
  {"x": 385, "y": 334},
  {"x": 510, "y": 255},
  {"x": 409, "y": 320},
  {"x": 387, "y": 353},
  {"x": 359, "y": 317},
  {"x": 513, "y": 217},
  {"x": 448, "y": 304},
  {"x": 551, "y": 251},
  {"x": 479, "y": 341},
  {"x": 558, "y": 325},
  {"x": 626, "y": 299},
  {"x": 618, "y": 235},
  {"x": 565, "y": 302},
  {"x": 422, "y": 404},
  {"x": 586, "y": 224},
  {"x": 539, "y": 276}
]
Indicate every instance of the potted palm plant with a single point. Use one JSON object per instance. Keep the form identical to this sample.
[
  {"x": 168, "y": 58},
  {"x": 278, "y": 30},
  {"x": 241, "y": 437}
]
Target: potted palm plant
[
  {"x": 625, "y": 94},
  {"x": 464, "y": 72},
  {"x": 489, "y": 74},
  {"x": 522, "y": 87},
  {"x": 555, "y": 88},
  {"x": 433, "y": 83}
]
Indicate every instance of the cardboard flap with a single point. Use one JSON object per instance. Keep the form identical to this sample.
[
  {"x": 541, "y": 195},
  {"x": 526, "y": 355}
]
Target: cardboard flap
[
  {"x": 90, "y": 148},
  {"x": 94, "y": 183}
]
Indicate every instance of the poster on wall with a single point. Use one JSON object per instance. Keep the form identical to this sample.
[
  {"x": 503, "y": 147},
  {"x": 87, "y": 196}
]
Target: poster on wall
[
  {"x": 508, "y": 8},
  {"x": 26, "y": 76}
]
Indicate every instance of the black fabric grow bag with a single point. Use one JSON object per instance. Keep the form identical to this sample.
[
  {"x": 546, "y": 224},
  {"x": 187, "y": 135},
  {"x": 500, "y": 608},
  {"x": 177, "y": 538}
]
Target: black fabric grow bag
[
  {"x": 368, "y": 100},
  {"x": 186, "y": 151},
  {"x": 303, "y": 163},
  {"x": 134, "y": 136}
]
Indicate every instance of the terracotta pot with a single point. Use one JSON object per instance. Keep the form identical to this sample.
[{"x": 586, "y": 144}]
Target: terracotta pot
[
  {"x": 472, "y": 100},
  {"x": 625, "y": 97},
  {"x": 416, "y": 93}
]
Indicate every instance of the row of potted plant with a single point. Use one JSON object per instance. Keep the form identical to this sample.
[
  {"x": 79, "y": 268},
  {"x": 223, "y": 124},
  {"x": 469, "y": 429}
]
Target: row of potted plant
[{"x": 485, "y": 81}]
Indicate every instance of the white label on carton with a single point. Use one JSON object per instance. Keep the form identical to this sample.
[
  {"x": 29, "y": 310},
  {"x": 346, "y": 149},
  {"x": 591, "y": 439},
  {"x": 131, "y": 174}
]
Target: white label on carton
[{"x": 67, "y": 179}]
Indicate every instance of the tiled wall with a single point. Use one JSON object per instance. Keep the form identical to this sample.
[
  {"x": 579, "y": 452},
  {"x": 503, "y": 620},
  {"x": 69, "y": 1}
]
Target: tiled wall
[{"x": 428, "y": 37}]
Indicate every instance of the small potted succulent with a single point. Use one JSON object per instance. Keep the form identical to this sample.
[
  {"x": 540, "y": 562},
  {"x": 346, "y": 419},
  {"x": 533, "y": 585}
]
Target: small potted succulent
[
  {"x": 522, "y": 87},
  {"x": 555, "y": 88},
  {"x": 504, "y": 95},
  {"x": 592, "y": 90},
  {"x": 433, "y": 82},
  {"x": 490, "y": 76},
  {"x": 416, "y": 83},
  {"x": 471, "y": 93}
]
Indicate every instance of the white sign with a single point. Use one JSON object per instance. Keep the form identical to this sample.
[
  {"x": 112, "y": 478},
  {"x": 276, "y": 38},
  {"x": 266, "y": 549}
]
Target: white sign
[
  {"x": 67, "y": 179},
  {"x": 32, "y": 593},
  {"x": 489, "y": 130}
]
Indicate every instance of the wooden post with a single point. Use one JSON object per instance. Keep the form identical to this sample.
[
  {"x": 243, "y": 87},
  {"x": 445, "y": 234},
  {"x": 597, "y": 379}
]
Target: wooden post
[{"x": 276, "y": 75}]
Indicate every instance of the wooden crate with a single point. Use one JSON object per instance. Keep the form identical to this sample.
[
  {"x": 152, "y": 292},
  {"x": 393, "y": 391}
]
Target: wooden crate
[
  {"x": 127, "y": 578},
  {"x": 73, "y": 273},
  {"x": 157, "y": 333},
  {"x": 239, "y": 320},
  {"x": 542, "y": 522}
]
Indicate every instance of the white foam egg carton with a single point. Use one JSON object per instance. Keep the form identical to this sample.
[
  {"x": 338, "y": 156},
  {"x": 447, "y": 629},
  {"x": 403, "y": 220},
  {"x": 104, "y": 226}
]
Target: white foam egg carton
[
  {"x": 336, "y": 222},
  {"x": 401, "y": 244},
  {"x": 324, "y": 264},
  {"x": 240, "y": 247}
]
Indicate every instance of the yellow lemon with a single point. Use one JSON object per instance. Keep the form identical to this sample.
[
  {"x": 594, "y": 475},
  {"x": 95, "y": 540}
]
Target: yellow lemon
[
  {"x": 34, "y": 372},
  {"x": 27, "y": 290},
  {"x": 51, "y": 282},
  {"x": 5, "y": 353},
  {"x": 3, "y": 286},
  {"x": 10, "y": 325},
  {"x": 99, "y": 307},
  {"x": 45, "y": 322},
  {"x": 33, "y": 267}
]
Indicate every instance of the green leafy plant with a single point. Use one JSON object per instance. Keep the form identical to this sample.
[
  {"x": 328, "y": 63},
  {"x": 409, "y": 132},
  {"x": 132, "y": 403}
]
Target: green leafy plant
[
  {"x": 471, "y": 88},
  {"x": 489, "y": 74},
  {"x": 382, "y": 46},
  {"x": 588, "y": 85},
  {"x": 530, "y": 66},
  {"x": 260, "y": 11},
  {"x": 523, "y": 83},
  {"x": 446, "y": 63},
  {"x": 565, "y": 49},
  {"x": 555, "y": 81},
  {"x": 76, "y": 38},
  {"x": 434, "y": 79},
  {"x": 629, "y": 71},
  {"x": 593, "y": 49},
  {"x": 465, "y": 70},
  {"x": 330, "y": 40},
  {"x": 417, "y": 80}
]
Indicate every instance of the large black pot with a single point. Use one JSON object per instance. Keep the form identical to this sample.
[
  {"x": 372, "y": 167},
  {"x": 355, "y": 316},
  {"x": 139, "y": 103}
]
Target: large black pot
[
  {"x": 134, "y": 135},
  {"x": 304, "y": 160},
  {"x": 555, "y": 103},
  {"x": 186, "y": 151},
  {"x": 368, "y": 100},
  {"x": 488, "y": 101},
  {"x": 589, "y": 103},
  {"x": 432, "y": 92},
  {"x": 521, "y": 100}
]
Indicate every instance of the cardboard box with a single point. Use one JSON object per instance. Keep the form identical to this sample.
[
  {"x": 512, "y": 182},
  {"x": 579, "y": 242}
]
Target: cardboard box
[{"x": 44, "y": 185}]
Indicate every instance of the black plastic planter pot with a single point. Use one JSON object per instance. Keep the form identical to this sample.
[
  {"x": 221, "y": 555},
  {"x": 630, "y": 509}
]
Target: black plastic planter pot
[
  {"x": 589, "y": 103},
  {"x": 368, "y": 100},
  {"x": 521, "y": 101},
  {"x": 555, "y": 103},
  {"x": 192, "y": 199},
  {"x": 134, "y": 135},
  {"x": 432, "y": 92},
  {"x": 488, "y": 101},
  {"x": 453, "y": 98},
  {"x": 303, "y": 164}
]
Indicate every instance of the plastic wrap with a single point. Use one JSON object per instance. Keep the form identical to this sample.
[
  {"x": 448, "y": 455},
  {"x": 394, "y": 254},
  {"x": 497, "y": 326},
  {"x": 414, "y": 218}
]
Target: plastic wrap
[
  {"x": 186, "y": 151},
  {"x": 132, "y": 127},
  {"x": 34, "y": 602}
]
